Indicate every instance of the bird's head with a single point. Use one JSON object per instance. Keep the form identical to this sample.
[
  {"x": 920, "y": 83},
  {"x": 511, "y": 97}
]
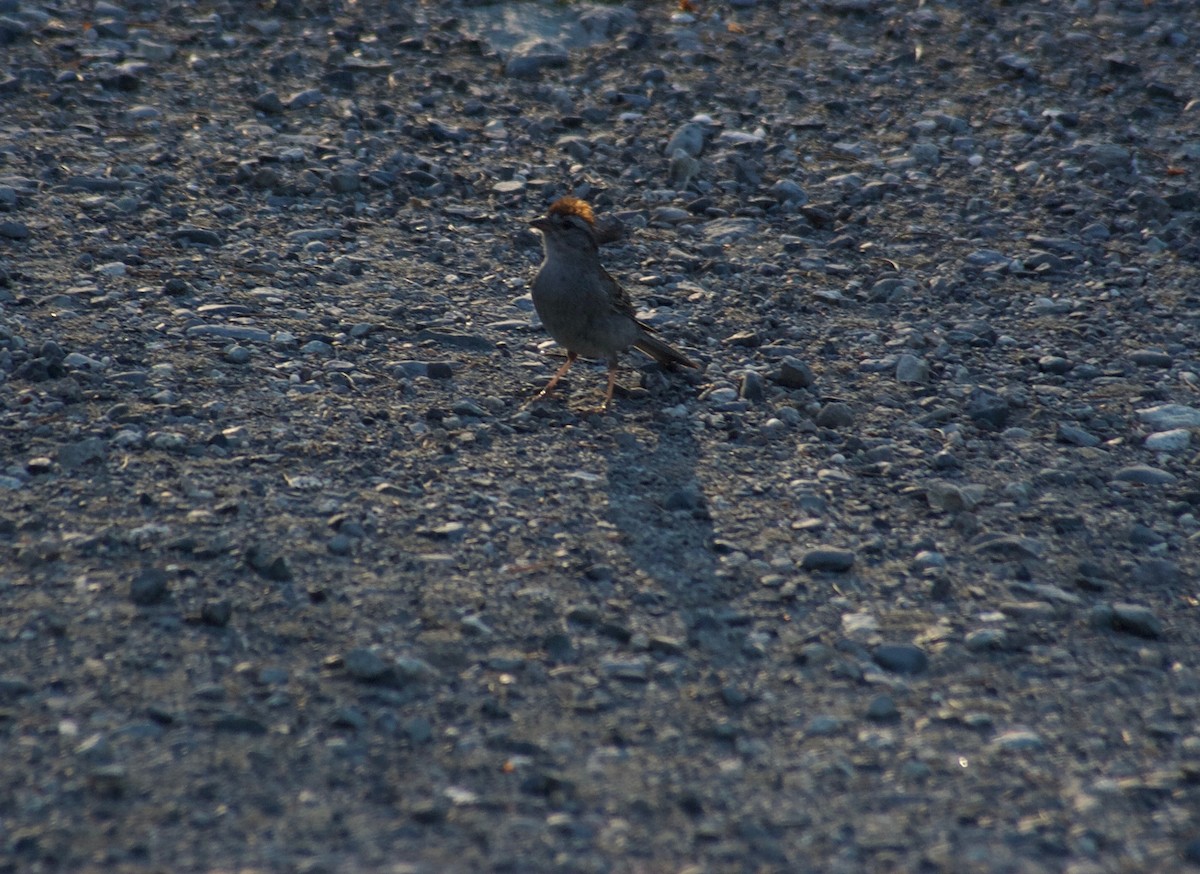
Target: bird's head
[{"x": 568, "y": 226}]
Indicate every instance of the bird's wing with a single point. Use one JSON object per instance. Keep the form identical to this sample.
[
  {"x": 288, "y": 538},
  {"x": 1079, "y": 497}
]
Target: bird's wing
[{"x": 620, "y": 302}]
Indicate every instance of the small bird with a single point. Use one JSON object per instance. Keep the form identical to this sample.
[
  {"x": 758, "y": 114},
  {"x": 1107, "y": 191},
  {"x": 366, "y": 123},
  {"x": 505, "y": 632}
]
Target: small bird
[{"x": 582, "y": 307}]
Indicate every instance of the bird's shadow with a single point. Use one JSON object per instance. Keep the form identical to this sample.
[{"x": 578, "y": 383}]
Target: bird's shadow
[{"x": 658, "y": 503}]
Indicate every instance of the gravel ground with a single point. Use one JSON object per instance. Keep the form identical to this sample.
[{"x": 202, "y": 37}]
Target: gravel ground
[{"x": 903, "y": 579}]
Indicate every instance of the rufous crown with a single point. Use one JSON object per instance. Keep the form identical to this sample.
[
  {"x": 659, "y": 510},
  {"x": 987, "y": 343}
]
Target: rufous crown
[{"x": 573, "y": 206}]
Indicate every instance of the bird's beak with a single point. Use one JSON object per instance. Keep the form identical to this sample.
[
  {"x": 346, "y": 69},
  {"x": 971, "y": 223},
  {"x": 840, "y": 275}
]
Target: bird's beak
[{"x": 542, "y": 224}]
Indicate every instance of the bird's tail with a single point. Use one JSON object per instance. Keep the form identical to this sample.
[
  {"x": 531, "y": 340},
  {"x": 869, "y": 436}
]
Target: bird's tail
[{"x": 663, "y": 353}]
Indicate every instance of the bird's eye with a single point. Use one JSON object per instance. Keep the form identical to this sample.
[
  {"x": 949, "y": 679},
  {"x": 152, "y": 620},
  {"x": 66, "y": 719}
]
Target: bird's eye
[{"x": 566, "y": 224}]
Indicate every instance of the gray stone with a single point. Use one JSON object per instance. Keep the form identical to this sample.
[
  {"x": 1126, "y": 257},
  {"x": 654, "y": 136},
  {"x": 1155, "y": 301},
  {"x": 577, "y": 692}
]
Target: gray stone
[
  {"x": 476, "y": 342},
  {"x": 239, "y": 723},
  {"x": 985, "y": 639},
  {"x": 366, "y": 666},
  {"x": 11, "y": 230},
  {"x": 882, "y": 709},
  {"x": 74, "y": 455},
  {"x": 688, "y": 138},
  {"x": 529, "y": 58},
  {"x": 1137, "y": 620},
  {"x": 409, "y": 669},
  {"x": 1110, "y": 156},
  {"x": 1157, "y": 572},
  {"x": 752, "y": 388},
  {"x": 688, "y": 498},
  {"x": 927, "y": 154},
  {"x": 794, "y": 373},
  {"x": 196, "y": 237},
  {"x": 418, "y": 730},
  {"x": 911, "y": 369},
  {"x": 268, "y": 563},
  {"x": 1017, "y": 66},
  {"x": 243, "y": 333},
  {"x": 828, "y": 558},
  {"x": 835, "y": 415},
  {"x": 1018, "y": 740},
  {"x": 268, "y": 102},
  {"x": 13, "y": 687},
  {"x": 304, "y": 99},
  {"x": 149, "y": 587},
  {"x": 344, "y": 181},
  {"x": 901, "y": 658},
  {"x": 824, "y": 725},
  {"x": 987, "y": 409},
  {"x": 95, "y": 748},
  {"x": 1145, "y": 475},
  {"x": 1175, "y": 440},
  {"x": 682, "y": 169},
  {"x": 410, "y": 368},
  {"x": 1151, "y": 358},
  {"x": 951, "y": 498},
  {"x": 236, "y": 354},
  {"x": 216, "y": 612},
  {"x": 468, "y": 407},
  {"x": 787, "y": 191},
  {"x": 629, "y": 670},
  {"x": 1143, "y": 535},
  {"x": 728, "y": 230},
  {"x": 1075, "y": 436},
  {"x": 1054, "y": 364},
  {"x": 1165, "y": 417},
  {"x": 1008, "y": 546}
]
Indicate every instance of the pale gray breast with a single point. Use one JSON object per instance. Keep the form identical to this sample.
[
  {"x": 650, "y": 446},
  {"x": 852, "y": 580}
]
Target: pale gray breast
[{"x": 576, "y": 312}]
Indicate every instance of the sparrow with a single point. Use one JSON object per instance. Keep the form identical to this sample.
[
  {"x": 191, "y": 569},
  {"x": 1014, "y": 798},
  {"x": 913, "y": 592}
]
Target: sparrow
[{"x": 583, "y": 308}]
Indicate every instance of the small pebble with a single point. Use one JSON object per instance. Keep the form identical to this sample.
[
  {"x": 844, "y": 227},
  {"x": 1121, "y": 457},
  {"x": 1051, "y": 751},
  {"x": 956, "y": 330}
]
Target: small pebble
[
  {"x": 236, "y": 354},
  {"x": 988, "y": 409},
  {"x": 794, "y": 373},
  {"x": 688, "y": 138},
  {"x": 1137, "y": 620},
  {"x": 149, "y": 587},
  {"x": 752, "y": 388},
  {"x": 901, "y": 658},
  {"x": 1151, "y": 358},
  {"x": 828, "y": 558},
  {"x": 216, "y": 612},
  {"x": 1075, "y": 436},
  {"x": 911, "y": 369},
  {"x": 365, "y": 665},
  {"x": 304, "y": 99},
  {"x": 835, "y": 415},
  {"x": 1018, "y": 740},
  {"x": 1144, "y": 474},
  {"x": 882, "y": 709}
]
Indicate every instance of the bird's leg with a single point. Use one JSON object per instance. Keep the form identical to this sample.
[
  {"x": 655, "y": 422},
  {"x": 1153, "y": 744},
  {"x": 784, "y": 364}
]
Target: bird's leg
[
  {"x": 571, "y": 356},
  {"x": 612, "y": 385},
  {"x": 612, "y": 382}
]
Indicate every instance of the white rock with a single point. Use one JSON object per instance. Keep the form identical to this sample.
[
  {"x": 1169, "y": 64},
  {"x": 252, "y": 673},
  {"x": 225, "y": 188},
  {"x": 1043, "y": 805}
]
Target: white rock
[
  {"x": 1169, "y": 441},
  {"x": 1165, "y": 417},
  {"x": 79, "y": 361}
]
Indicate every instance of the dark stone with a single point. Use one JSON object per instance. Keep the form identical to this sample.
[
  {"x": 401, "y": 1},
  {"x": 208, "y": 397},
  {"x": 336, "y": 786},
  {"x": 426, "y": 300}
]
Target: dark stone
[
  {"x": 828, "y": 558},
  {"x": 987, "y": 409},
  {"x": 196, "y": 237},
  {"x": 901, "y": 658},
  {"x": 149, "y": 587}
]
